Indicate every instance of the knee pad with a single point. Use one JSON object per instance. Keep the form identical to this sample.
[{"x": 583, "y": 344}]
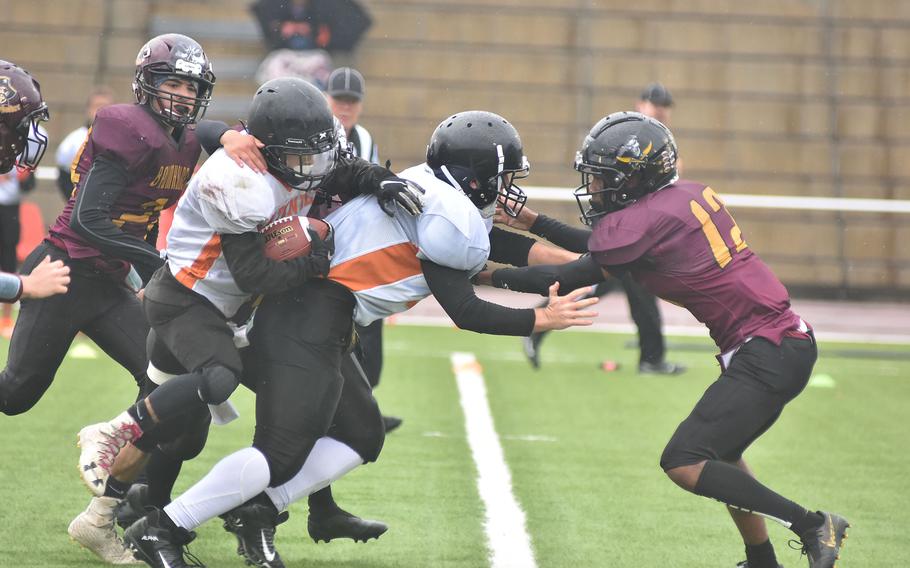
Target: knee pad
[
  {"x": 15, "y": 398},
  {"x": 194, "y": 431},
  {"x": 367, "y": 441},
  {"x": 217, "y": 383},
  {"x": 283, "y": 466}
]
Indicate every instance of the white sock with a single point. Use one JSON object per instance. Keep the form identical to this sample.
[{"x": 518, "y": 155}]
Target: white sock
[
  {"x": 233, "y": 481},
  {"x": 329, "y": 460}
]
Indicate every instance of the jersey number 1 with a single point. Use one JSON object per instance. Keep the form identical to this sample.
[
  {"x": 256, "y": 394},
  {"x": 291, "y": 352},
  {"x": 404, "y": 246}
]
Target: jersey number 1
[{"x": 719, "y": 247}]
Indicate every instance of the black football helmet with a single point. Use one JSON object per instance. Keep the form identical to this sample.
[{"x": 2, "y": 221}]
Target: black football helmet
[
  {"x": 481, "y": 153},
  {"x": 21, "y": 109},
  {"x": 292, "y": 118},
  {"x": 173, "y": 55},
  {"x": 631, "y": 155}
]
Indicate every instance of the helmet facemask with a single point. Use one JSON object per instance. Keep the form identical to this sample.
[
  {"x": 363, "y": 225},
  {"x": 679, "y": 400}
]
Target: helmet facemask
[
  {"x": 170, "y": 107},
  {"x": 510, "y": 197},
  {"x": 617, "y": 190},
  {"x": 25, "y": 144},
  {"x": 304, "y": 164}
]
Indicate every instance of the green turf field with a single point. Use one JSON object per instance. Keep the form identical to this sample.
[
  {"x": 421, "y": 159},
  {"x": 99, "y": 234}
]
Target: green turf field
[{"x": 582, "y": 445}]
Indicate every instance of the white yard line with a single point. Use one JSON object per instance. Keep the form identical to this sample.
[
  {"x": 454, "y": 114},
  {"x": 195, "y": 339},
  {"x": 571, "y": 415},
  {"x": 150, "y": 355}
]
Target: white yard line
[{"x": 505, "y": 525}]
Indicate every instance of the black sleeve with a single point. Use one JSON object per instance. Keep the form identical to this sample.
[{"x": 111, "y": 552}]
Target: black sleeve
[
  {"x": 454, "y": 292},
  {"x": 64, "y": 182},
  {"x": 354, "y": 176},
  {"x": 209, "y": 133},
  {"x": 561, "y": 235},
  {"x": 509, "y": 247},
  {"x": 255, "y": 273},
  {"x": 538, "y": 279},
  {"x": 91, "y": 218}
]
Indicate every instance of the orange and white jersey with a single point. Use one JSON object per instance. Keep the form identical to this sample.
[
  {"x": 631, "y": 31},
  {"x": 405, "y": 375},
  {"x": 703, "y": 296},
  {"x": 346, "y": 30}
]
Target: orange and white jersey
[
  {"x": 223, "y": 198},
  {"x": 377, "y": 257}
]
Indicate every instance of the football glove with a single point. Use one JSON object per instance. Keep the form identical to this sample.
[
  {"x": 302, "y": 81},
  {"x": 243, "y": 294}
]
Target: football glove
[{"x": 405, "y": 193}]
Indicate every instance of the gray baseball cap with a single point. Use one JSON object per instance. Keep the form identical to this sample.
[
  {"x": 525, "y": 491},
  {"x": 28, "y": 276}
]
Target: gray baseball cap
[{"x": 346, "y": 82}]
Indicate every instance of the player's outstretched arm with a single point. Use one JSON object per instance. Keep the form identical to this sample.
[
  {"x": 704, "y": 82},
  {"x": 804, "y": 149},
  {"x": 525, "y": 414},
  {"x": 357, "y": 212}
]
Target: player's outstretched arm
[
  {"x": 565, "y": 311},
  {"x": 539, "y": 278},
  {"x": 47, "y": 279}
]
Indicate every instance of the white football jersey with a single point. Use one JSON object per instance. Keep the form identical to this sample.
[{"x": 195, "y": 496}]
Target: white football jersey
[
  {"x": 223, "y": 198},
  {"x": 377, "y": 257}
]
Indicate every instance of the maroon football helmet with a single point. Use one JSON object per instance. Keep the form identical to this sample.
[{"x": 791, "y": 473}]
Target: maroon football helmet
[
  {"x": 173, "y": 55},
  {"x": 21, "y": 108}
]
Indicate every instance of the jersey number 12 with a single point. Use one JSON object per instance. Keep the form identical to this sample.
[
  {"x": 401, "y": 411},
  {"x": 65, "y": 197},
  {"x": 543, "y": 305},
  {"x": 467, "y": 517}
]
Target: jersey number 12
[{"x": 719, "y": 247}]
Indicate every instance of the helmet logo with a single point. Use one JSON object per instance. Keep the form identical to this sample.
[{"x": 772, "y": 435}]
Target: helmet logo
[
  {"x": 631, "y": 152},
  {"x": 144, "y": 53},
  {"x": 7, "y": 92},
  {"x": 188, "y": 67}
]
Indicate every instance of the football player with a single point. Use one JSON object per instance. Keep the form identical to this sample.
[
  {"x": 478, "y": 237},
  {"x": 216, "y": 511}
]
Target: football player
[
  {"x": 134, "y": 162},
  {"x": 300, "y": 336},
  {"x": 23, "y": 144},
  {"x": 203, "y": 296},
  {"x": 678, "y": 240}
]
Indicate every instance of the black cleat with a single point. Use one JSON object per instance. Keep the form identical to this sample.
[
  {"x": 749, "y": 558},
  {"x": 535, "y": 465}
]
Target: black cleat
[
  {"x": 391, "y": 422},
  {"x": 531, "y": 345},
  {"x": 745, "y": 564},
  {"x": 823, "y": 544},
  {"x": 132, "y": 507},
  {"x": 254, "y": 526},
  {"x": 662, "y": 368},
  {"x": 156, "y": 541},
  {"x": 341, "y": 524}
]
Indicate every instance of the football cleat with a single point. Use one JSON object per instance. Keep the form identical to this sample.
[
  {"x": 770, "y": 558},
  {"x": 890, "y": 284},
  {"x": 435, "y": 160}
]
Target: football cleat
[
  {"x": 100, "y": 445},
  {"x": 156, "y": 541},
  {"x": 94, "y": 530},
  {"x": 823, "y": 544},
  {"x": 745, "y": 564},
  {"x": 662, "y": 368},
  {"x": 340, "y": 524},
  {"x": 254, "y": 526},
  {"x": 132, "y": 507},
  {"x": 531, "y": 345},
  {"x": 391, "y": 422}
]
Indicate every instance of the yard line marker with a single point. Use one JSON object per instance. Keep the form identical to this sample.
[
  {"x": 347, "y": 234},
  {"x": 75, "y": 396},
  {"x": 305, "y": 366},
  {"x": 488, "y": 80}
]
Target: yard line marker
[{"x": 505, "y": 524}]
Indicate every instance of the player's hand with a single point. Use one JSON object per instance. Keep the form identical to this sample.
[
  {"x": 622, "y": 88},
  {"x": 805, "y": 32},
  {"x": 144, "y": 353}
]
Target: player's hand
[
  {"x": 47, "y": 279},
  {"x": 319, "y": 261},
  {"x": 523, "y": 222},
  {"x": 404, "y": 193},
  {"x": 565, "y": 311},
  {"x": 245, "y": 150}
]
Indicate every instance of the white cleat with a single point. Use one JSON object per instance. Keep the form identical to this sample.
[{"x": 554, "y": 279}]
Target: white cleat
[
  {"x": 100, "y": 445},
  {"x": 94, "y": 530}
]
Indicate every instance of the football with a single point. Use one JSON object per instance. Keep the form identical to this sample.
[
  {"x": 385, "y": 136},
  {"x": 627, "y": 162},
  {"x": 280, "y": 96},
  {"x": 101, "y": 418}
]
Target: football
[{"x": 288, "y": 238}]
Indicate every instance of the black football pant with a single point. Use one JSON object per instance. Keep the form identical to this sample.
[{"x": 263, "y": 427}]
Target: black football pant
[
  {"x": 645, "y": 313},
  {"x": 197, "y": 335},
  {"x": 106, "y": 311},
  {"x": 298, "y": 341},
  {"x": 369, "y": 347},
  {"x": 9, "y": 237}
]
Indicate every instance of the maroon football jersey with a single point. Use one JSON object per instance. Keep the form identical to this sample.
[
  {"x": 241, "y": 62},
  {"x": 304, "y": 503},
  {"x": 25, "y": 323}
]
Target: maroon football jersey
[
  {"x": 683, "y": 246},
  {"x": 158, "y": 168}
]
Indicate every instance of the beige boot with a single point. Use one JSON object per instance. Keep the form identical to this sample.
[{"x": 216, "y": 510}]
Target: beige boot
[{"x": 94, "y": 529}]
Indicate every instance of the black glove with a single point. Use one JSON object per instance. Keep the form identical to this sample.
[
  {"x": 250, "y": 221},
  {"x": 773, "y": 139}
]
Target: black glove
[
  {"x": 318, "y": 262},
  {"x": 407, "y": 194}
]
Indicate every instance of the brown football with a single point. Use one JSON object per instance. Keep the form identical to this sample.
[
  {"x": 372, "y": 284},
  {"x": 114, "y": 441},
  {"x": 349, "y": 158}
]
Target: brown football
[{"x": 288, "y": 238}]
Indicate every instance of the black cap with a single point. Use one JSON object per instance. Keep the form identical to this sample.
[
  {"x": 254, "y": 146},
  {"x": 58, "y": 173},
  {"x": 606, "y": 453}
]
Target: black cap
[
  {"x": 658, "y": 95},
  {"x": 346, "y": 82}
]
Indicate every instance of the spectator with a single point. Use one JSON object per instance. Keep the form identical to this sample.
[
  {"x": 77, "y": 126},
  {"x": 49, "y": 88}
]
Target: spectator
[
  {"x": 657, "y": 102},
  {"x": 346, "y": 89},
  {"x": 67, "y": 150},
  {"x": 332, "y": 25}
]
